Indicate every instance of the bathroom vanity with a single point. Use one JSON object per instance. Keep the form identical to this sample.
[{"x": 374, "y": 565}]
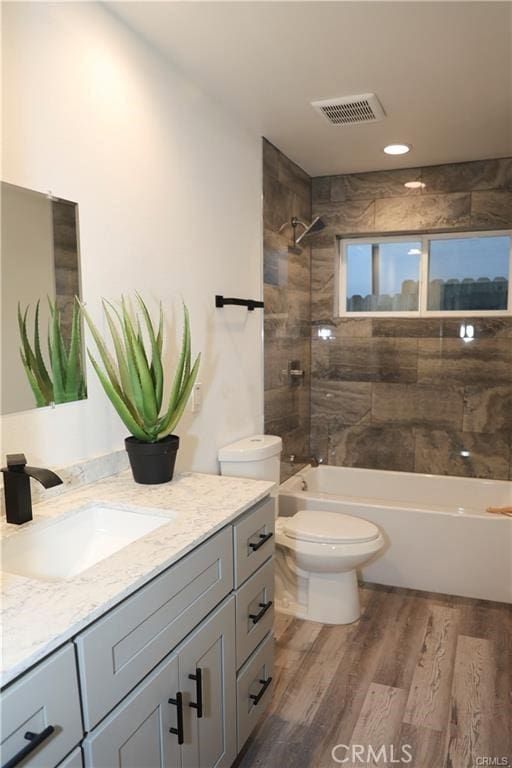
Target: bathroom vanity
[{"x": 174, "y": 673}]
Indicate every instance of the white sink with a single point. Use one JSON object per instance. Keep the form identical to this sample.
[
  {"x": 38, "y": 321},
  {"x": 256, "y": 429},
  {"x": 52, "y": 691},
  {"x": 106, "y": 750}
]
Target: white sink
[{"x": 69, "y": 545}]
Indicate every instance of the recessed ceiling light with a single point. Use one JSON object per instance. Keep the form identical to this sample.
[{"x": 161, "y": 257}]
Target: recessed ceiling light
[
  {"x": 415, "y": 185},
  {"x": 397, "y": 149}
]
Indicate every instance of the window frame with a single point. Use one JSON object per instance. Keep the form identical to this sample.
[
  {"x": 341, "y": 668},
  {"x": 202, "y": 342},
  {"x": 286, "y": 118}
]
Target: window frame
[{"x": 424, "y": 238}]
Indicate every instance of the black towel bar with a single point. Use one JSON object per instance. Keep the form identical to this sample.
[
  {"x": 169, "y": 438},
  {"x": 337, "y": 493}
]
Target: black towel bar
[{"x": 222, "y": 301}]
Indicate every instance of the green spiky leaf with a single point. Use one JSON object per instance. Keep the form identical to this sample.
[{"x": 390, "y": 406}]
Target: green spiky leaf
[
  {"x": 58, "y": 358},
  {"x": 38, "y": 394},
  {"x": 63, "y": 379},
  {"x": 43, "y": 373},
  {"x": 118, "y": 403},
  {"x": 140, "y": 369},
  {"x": 122, "y": 365},
  {"x": 176, "y": 415},
  {"x": 156, "y": 370},
  {"x": 134, "y": 381}
]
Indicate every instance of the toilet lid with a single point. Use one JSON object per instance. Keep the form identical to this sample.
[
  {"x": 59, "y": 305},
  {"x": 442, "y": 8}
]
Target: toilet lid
[{"x": 329, "y": 527}]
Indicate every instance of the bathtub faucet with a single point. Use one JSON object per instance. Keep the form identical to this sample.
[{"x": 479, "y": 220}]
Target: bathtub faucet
[{"x": 313, "y": 460}]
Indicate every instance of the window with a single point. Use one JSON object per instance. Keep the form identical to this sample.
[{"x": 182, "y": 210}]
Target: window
[
  {"x": 427, "y": 275},
  {"x": 383, "y": 277}
]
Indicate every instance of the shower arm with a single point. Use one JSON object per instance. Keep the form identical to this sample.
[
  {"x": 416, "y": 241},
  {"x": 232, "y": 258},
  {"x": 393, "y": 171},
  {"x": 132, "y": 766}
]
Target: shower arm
[{"x": 294, "y": 223}]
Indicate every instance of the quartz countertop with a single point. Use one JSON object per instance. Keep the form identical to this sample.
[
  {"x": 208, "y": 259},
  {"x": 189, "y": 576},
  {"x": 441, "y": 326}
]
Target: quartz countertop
[{"x": 38, "y": 616}]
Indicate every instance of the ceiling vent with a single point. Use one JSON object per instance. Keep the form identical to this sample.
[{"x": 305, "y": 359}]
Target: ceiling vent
[{"x": 350, "y": 110}]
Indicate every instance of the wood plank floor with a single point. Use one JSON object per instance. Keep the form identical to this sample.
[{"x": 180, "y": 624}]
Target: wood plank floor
[{"x": 429, "y": 675}]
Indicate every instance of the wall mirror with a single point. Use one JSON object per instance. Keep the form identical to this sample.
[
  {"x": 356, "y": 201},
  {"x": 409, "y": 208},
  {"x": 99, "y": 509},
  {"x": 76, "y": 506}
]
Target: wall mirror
[{"x": 42, "y": 354}]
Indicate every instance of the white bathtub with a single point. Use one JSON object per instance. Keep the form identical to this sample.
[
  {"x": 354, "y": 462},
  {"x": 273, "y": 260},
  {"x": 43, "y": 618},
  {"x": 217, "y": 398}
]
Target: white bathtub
[{"x": 439, "y": 536}]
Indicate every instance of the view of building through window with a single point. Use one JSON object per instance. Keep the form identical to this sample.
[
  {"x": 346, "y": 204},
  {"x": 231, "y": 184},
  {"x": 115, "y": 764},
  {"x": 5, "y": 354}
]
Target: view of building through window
[
  {"x": 383, "y": 276},
  {"x": 469, "y": 272}
]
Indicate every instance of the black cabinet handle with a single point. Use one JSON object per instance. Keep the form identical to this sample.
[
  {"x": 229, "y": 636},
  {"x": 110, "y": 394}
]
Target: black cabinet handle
[
  {"x": 264, "y": 685},
  {"x": 178, "y": 703},
  {"x": 34, "y": 740},
  {"x": 198, "y": 705},
  {"x": 257, "y": 616},
  {"x": 264, "y": 537}
]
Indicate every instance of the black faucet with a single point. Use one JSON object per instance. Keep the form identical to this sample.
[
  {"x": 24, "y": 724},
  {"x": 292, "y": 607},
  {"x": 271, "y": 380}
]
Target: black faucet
[{"x": 18, "y": 500}]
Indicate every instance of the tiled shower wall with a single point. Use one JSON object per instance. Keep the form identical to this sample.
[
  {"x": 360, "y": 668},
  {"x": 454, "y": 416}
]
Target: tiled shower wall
[
  {"x": 408, "y": 394},
  {"x": 65, "y": 256},
  {"x": 287, "y": 295}
]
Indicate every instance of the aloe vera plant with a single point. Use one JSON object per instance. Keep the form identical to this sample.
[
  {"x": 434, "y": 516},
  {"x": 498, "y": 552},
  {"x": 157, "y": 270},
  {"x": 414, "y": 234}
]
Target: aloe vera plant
[
  {"x": 133, "y": 377},
  {"x": 62, "y": 379}
]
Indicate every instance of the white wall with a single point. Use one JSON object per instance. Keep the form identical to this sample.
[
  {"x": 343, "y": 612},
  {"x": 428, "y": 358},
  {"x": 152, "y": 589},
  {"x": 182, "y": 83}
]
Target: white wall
[{"x": 169, "y": 195}]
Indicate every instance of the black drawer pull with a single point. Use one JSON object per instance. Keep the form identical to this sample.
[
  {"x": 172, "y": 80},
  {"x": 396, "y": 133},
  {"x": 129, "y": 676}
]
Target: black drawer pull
[
  {"x": 264, "y": 537},
  {"x": 198, "y": 705},
  {"x": 257, "y": 616},
  {"x": 34, "y": 739},
  {"x": 264, "y": 685},
  {"x": 178, "y": 703}
]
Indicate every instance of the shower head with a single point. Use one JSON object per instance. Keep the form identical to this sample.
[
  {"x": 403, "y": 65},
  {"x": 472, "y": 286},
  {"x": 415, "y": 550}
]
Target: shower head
[{"x": 316, "y": 226}]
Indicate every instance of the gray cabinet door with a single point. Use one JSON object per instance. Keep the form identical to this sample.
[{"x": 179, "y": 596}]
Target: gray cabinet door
[
  {"x": 137, "y": 733},
  {"x": 210, "y": 740},
  {"x": 116, "y": 652}
]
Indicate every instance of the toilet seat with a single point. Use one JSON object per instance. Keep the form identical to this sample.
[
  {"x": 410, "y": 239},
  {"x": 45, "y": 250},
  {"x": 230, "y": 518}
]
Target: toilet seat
[{"x": 328, "y": 528}]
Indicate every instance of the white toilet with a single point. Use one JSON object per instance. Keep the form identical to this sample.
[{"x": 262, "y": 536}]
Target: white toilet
[{"x": 317, "y": 552}]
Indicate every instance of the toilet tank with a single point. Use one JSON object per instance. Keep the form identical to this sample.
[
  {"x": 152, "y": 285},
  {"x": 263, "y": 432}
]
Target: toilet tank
[{"x": 257, "y": 457}]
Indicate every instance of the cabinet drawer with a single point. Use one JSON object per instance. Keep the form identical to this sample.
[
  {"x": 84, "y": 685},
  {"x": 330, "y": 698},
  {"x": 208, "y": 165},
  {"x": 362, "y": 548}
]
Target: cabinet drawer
[
  {"x": 121, "y": 648},
  {"x": 254, "y": 688},
  {"x": 46, "y": 696},
  {"x": 254, "y": 540},
  {"x": 254, "y": 611},
  {"x": 74, "y": 760}
]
